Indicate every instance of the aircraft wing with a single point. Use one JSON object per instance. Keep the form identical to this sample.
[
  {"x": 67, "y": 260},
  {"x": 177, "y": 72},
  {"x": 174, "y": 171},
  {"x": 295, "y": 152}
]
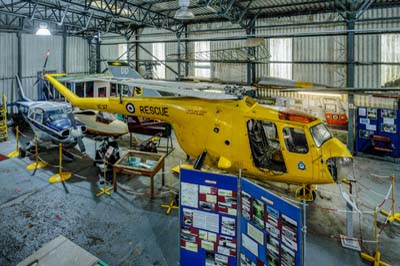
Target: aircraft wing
[{"x": 198, "y": 90}]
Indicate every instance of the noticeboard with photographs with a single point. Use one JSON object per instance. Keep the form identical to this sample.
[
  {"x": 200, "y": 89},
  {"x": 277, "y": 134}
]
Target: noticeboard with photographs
[
  {"x": 270, "y": 228},
  {"x": 208, "y": 219}
]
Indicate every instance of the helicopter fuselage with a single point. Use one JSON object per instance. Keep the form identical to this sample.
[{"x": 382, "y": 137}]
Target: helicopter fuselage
[{"x": 264, "y": 142}]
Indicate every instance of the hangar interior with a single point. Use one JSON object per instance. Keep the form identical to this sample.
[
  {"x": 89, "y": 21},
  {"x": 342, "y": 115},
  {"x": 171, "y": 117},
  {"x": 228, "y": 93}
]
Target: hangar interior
[{"x": 342, "y": 57}]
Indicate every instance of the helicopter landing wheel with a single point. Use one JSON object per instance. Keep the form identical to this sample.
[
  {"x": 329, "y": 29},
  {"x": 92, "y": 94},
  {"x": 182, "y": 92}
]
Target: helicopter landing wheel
[{"x": 306, "y": 192}]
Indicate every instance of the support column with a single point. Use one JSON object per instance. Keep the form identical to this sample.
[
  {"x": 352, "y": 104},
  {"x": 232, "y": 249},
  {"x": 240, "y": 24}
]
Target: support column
[
  {"x": 178, "y": 36},
  {"x": 64, "y": 51},
  {"x": 350, "y": 82},
  {"x": 98, "y": 62},
  {"x": 128, "y": 51},
  {"x": 19, "y": 55},
  {"x": 137, "y": 50},
  {"x": 251, "y": 67},
  {"x": 186, "y": 53}
]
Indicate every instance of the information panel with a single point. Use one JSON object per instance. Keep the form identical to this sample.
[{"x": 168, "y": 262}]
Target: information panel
[
  {"x": 270, "y": 228},
  {"x": 378, "y": 131},
  {"x": 208, "y": 219}
]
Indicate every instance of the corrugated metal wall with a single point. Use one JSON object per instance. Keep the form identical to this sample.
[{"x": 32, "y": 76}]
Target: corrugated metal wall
[
  {"x": 8, "y": 65},
  {"x": 221, "y": 71},
  {"x": 170, "y": 49},
  {"x": 34, "y": 49},
  {"x": 77, "y": 55},
  {"x": 328, "y": 51}
]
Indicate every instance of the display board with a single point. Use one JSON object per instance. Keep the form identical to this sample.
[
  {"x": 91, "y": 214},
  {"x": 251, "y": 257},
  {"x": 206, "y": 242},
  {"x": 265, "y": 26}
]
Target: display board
[
  {"x": 378, "y": 131},
  {"x": 208, "y": 219},
  {"x": 270, "y": 228}
]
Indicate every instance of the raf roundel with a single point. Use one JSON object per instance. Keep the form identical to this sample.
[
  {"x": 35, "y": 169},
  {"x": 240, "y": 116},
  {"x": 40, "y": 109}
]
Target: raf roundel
[
  {"x": 130, "y": 108},
  {"x": 301, "y": 166}
]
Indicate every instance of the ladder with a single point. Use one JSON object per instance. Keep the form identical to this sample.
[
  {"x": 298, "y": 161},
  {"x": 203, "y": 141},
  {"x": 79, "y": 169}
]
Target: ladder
[{"x": 3, "y": 120}]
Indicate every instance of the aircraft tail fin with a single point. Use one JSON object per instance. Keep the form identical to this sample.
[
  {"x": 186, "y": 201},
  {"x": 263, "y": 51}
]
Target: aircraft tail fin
[
  {"x": 21, "y": 93},
  {"x": 123, "y": 70}
]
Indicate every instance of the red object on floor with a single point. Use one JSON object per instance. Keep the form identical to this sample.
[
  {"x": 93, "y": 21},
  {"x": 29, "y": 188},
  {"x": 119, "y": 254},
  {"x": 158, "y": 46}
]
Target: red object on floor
[{"x": 2, "y": 157}]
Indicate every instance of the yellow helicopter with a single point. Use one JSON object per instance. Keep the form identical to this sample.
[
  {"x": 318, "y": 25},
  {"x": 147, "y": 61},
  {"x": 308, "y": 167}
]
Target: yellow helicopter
[{"x": 266, "y": 143}]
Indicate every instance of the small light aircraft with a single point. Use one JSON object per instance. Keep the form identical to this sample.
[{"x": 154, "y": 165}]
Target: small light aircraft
[
  {"x": 101, "y": 123},
  {"x": 51, "y": 121},
  {"x": 232, "y": 133}
]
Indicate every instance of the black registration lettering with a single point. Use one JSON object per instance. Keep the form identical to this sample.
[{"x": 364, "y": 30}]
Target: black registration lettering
[{"x": 154, "y": 110}]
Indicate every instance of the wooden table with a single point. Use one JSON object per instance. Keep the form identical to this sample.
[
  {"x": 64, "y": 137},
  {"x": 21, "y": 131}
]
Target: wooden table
[{"x": 129, "y": 164}]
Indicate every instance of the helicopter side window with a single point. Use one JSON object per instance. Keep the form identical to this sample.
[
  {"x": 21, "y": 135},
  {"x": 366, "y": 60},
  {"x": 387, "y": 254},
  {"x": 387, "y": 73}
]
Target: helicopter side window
[
  {"x": 295, "y": 140},
  {"x": 264, "y": 144},
  {"x": 89, "y": 89},
  {"x": 80, "y": 89}
]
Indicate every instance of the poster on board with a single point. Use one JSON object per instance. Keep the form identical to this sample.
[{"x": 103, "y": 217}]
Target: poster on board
[
  {"x": 270, "y": 228},
  {"x": 208, "y": 219}
]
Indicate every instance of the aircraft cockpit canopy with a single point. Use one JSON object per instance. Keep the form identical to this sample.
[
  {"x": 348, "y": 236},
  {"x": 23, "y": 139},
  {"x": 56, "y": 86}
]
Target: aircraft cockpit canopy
[
  {"x": 105, "y": 118},
  {"x": 54, "y": 115}
]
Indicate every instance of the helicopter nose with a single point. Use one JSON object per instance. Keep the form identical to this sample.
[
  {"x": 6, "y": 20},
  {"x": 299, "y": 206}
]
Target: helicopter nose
[{"x": 340, "y": 168}]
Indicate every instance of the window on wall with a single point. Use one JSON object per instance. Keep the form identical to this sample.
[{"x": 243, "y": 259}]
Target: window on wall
[
  {"x": 202, "y": 64},
  {"x": 281, "y": 50},
  {"x": 159, "y": 53},
  {"x": 122, "y": 51},
  {"x": 390, "y": 52}
]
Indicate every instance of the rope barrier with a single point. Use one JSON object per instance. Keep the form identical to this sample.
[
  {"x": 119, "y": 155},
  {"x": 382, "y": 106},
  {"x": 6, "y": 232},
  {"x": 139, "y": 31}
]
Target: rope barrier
[{"x": 339, "y": 238}]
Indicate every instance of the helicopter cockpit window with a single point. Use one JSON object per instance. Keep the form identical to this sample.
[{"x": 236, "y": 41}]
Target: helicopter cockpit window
[
  {"x": 295, "y": 140},
  {"x": 264, "y": 144},
  {"x": 320, "y": 134}
]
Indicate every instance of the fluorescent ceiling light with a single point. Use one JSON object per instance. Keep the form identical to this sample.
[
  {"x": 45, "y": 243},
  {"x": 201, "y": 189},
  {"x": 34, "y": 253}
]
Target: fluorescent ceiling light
[
  {"x": 183, "y": 13},
  {"x": 320, "y": 94},
  {"x": 43, "y": 30}
]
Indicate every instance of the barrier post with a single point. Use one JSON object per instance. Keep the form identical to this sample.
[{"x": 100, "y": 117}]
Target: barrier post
[
  {"x": 392, "y": 215},
  {"x": 61, "y": 176},
  {"x": 377, "y": 257},
  {"x": 38, "y": 164},
  {"x": 15, "y": 153},
  {"x": 169, "y": 207},
  {"x": 104, "y": 189}
]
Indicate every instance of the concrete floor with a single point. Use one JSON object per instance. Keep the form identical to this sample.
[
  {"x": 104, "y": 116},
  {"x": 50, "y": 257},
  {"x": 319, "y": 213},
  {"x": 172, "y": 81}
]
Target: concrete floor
[{"x": 130, "y": 229}]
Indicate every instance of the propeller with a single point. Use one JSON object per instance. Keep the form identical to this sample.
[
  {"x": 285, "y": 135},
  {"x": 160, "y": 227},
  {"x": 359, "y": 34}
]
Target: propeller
[
  {"x": 80, "y": 136},
  {"x": 41, "y": 77}
]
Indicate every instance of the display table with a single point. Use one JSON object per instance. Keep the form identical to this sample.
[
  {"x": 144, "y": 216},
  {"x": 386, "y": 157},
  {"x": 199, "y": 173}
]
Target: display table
[{"x": 141, "y": 164}]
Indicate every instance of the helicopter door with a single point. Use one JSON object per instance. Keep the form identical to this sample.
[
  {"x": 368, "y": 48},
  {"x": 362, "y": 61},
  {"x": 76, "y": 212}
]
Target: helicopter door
[
  {"x": 264, "y": 144},
  {"x": 296, "y": 152}
]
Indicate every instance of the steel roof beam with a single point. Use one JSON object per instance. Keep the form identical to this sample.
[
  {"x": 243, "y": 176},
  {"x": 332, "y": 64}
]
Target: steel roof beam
[{"x": 120, "y": 16}]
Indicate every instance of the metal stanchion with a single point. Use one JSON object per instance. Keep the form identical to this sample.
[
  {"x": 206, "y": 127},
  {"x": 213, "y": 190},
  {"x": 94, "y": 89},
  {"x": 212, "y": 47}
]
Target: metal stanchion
[
  {"x": 16, "y": 152},
  {"x": 169, "y": 207},
  {"x": 61, "y": 176},
  {"x": 392, "y": 215},
  {"x": 38, "y": 163},
  {"x": 104, "y": 189},
  {"x": 377, "y": 257}
]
